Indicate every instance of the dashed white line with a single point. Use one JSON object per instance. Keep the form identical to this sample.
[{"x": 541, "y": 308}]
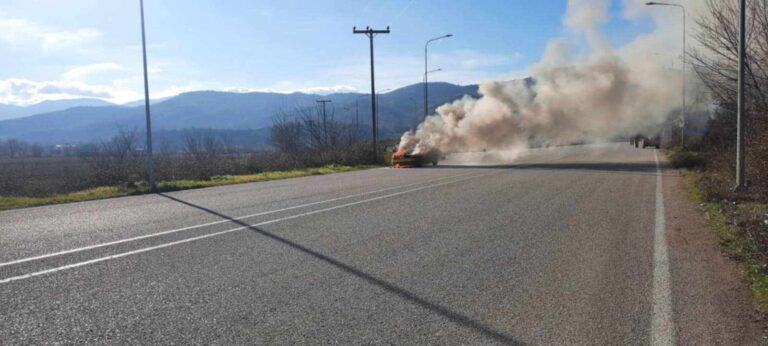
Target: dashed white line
[
  {"x": 187, "y": 240},
  {"x": 95, "y": 246},
  {"x": 662, "y": 323}
]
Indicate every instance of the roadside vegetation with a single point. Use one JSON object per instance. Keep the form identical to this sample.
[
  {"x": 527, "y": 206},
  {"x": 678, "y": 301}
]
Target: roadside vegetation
[
  {"x": 709, "y": 161},
  {"x": 169, "y": 185},
  {"x": 742, "y": 227},
  {"x": 305, "y": 141}
]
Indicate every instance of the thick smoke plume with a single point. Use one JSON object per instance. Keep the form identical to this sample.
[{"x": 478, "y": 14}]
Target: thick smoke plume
[{"x": 599, "y": 95}]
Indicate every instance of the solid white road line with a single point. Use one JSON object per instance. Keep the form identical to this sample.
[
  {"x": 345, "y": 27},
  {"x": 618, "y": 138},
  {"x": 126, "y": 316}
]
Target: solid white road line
[
  {"x": 662, "y": 323},
  {"x": 95, "y": 246},
  {"x": 187, "y": 240}
]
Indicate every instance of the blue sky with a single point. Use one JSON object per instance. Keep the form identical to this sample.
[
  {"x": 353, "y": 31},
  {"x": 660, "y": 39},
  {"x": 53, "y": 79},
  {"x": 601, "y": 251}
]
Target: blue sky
[{"x": 56, "y": 49}]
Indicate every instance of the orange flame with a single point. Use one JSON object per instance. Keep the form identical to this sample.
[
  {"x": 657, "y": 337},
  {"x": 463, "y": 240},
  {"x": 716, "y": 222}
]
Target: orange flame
[{"x": 400, "y": 154}]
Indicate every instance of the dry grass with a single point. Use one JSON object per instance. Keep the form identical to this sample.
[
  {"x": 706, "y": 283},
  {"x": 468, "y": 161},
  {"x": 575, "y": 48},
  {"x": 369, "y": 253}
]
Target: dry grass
[
  {"x": 742, "y": 228},
  {"x": 12, "y": 202}
]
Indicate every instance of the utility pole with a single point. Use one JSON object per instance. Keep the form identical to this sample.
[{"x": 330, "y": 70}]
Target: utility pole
[
  {"x": 148, "y": 150},
  {"x": 741, "y": 184},
  {"x": 371, "y": 33},
  {"x": 325, "y": 120}
]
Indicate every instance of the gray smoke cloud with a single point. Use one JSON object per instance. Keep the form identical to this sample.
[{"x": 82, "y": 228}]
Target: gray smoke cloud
[{"x": 595, "y": 95}]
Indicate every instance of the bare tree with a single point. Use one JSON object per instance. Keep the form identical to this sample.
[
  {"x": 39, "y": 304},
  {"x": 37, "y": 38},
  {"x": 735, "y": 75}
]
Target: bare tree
[
  {"x": 286, "y": 133},
  {"x": 717, "y": 62},
  {"x": 717, "y": 65},
  {"x": 116, "y": 161},
  {"x": 204, "y": 150},
  {"x": 15, "y": 147},
  {"x": 307, "y": 136}
]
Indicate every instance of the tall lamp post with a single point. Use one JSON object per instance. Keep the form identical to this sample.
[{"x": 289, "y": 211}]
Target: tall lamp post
[
  {"x": 148, "y": 149},
  {"x": 426, "y": 82},
  {"x": 682, "y": 116},
  {"x": 426, "y": 105}
]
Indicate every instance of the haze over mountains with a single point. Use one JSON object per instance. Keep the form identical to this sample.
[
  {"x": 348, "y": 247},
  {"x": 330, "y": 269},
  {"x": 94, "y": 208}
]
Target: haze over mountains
[
  {"x": 90, "y": 120},
  {"x": 12, "y": 111}
]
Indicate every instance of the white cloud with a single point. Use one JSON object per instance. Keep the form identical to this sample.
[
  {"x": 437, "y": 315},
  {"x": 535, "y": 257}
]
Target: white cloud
[
  {"x": 63, "y": 39},
  {"x": 325, "y": 90},
  {"x": 25, "y": 92},
  {"x": 82, "y": 72},
  {"x": 19, "y": 32},
  {"x": 286, "y": 88}
]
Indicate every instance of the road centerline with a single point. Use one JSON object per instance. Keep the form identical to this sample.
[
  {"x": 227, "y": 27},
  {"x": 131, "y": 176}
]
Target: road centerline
[
  {"x": 192, "y": 227},
  {"x": 209, "y": 235}
]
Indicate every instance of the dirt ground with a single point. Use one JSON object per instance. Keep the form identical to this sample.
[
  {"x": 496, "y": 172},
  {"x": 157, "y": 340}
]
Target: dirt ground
[{"x": 712, "y": 301}]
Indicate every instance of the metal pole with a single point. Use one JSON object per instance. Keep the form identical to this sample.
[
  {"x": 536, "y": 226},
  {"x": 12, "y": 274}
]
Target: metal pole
[
  {"x": 682, "y": 116},
  {"x": 426, "y": 83},
  {"x": 148, "y": 150},
  {"x": 425, "y": 79},
  {"x": 741, "y": 184}
]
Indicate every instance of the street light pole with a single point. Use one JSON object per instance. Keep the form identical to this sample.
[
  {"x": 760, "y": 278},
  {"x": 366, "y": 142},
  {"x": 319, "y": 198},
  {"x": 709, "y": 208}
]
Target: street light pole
[
  {"x": 682, "y": 115},
  {"x": 148, "y": 150},
  {"x": 426, "y": 81},
  {"x": 741, "y": 184}
]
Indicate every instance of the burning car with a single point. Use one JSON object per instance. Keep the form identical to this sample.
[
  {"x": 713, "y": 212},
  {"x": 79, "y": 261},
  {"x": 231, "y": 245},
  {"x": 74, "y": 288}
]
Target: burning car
[
  {"x": 402, "y": 158},
  {"x": 654, "y": 141}
]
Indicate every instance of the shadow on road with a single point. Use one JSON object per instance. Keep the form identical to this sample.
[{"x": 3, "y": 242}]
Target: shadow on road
[{"x": 456, "y": 317}]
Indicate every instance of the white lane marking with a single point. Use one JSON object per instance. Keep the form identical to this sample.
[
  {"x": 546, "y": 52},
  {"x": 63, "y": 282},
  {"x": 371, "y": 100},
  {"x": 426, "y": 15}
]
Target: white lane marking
[
  {"x": 662, "y": 323},
  {"x": 95, "y": 246},
  {"x": 187, "y": 240}
]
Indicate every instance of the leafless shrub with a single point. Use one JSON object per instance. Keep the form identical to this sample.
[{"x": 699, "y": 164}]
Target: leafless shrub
[
  {"x": 312, "y": 138},
  {"x": 204, "y": 152},
  {"x": 116, "y": 161}
]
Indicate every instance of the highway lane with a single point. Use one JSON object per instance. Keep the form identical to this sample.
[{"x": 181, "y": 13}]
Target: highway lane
[
  {"x": 36, "y": 231},
  {"x": 554, "y": 249}
]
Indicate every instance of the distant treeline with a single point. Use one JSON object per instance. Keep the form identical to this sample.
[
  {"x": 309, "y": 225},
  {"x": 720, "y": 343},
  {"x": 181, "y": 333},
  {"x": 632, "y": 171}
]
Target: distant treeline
[{"x": 165, "y": 141}]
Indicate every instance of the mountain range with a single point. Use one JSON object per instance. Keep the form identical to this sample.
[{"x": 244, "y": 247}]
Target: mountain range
[
  {"x": 89, "y": 120},
  {"x": 11, "y": 111}
]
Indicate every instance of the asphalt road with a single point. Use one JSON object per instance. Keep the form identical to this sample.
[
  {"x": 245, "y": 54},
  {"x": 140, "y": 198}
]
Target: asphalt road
[{"x": 557, "y": 248}]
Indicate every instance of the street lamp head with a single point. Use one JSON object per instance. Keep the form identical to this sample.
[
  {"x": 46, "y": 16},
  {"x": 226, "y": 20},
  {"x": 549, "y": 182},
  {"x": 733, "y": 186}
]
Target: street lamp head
[
  {"x": 650, "y": 3},
  {"x": 449, "y": 35}
]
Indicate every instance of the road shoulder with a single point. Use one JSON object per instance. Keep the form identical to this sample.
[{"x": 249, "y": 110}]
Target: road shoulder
[{"x": 711, "y": 301}]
